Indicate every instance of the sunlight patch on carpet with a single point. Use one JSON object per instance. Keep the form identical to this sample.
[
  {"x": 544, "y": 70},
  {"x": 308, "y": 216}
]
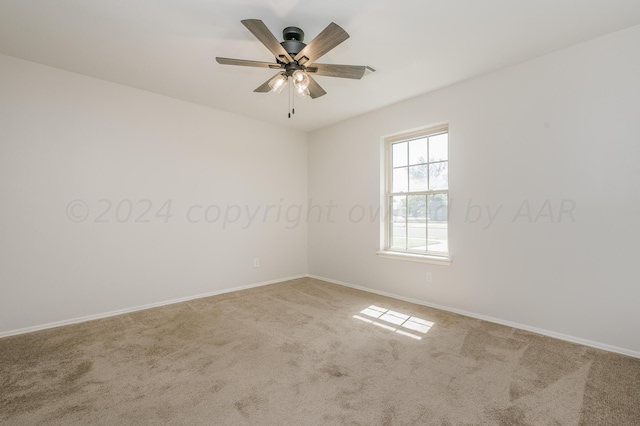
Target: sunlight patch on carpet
[{"x": 397, "y": 319}]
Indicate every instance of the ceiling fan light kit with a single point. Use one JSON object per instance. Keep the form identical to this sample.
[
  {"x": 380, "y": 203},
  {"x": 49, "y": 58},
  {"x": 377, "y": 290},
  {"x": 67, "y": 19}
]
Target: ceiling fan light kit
[
  {"x": 295, "y": 60},
  {"x": 301, "y": 82},
  {"x": 278, "y": 82}
]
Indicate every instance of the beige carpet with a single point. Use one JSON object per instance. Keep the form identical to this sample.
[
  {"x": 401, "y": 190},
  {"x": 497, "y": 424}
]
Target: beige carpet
[{"x": 306, "y": 352}]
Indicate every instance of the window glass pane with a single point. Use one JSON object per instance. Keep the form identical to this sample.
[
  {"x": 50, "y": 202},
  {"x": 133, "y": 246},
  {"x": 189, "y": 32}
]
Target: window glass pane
[
  {"x": 439, "y": 147},
  {"x": 417, "y": 232},
  {"x": 437, "y": 208},
  {"x": 437, "y": 224},
  {"x": 418, "y": 180},
  {"x": 418, "y": 151},
  {"x": 417, "y": 207},
  {"x": 439, "y": 175},
  {"x": 398, "y": 229},
  {"x": 399, "y": 236},
  {"x": 399, "y": 154},
  {"x": 400, "y": 181},
  {"x": 416, "y": 222}
]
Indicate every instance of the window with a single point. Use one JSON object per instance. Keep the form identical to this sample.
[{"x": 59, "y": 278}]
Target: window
[{"x": 417, "y": 193}]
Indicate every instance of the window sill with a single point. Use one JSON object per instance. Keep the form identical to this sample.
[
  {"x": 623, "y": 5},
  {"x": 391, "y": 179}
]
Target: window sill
[{"x": 412, "y": 257}]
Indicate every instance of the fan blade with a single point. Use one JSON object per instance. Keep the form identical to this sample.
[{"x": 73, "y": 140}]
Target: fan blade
[
  {"x": 266, "y": 37},
  {"x": 245, "y": 63},
  {"x": 315, "y": 91},
  {"x": 329, "y": 38},
  {"x": 264, "y": 87},
  {"x": 342, "y": 71}
]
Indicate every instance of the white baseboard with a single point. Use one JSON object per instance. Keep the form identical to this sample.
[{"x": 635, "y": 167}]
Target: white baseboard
[
  {"x": 544, "y": 332},
  {"x": 549, "y": 333},
  {"x": 139, "y": 308}
]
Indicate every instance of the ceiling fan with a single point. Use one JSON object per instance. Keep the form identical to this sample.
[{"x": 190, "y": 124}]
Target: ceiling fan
[{"x": 297, "y": 60}]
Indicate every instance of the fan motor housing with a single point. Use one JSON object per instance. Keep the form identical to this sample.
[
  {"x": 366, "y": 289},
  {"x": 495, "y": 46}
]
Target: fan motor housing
[
  {"x": 293, "y": 37},
  {"x": 293, "y": 33}
]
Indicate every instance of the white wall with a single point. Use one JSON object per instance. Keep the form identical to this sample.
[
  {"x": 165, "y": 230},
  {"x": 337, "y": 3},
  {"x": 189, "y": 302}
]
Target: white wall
[
  {"x": 66, "y": 137},
  {"x": 562, "y": 127}
]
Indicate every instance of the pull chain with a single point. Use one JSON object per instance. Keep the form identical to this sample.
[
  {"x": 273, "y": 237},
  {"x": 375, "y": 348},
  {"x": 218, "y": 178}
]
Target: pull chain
[{"x": 289, "y": 98}]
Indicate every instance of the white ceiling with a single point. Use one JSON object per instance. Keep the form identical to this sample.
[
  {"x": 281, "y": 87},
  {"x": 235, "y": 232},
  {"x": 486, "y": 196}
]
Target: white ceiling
[{"x": 416, "y": 46}]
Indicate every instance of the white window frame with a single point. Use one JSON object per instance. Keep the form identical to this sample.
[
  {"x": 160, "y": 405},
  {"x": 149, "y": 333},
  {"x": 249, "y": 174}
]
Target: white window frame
[{"x": 386, "y": 251}]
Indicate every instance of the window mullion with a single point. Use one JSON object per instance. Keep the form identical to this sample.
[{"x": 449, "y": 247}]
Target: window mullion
[
  {"x": 406, "y": 203},
  {"x": 432, "y": 192},
  {"x": 426, "y": 224},
  {"x": 428, "y": 165},
  {"x": 406, "y": 216},
  {"x": 406, "y": 222}
]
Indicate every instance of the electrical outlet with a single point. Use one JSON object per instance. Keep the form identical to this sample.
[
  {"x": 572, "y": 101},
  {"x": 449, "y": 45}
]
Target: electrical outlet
[
  {"x": 256, "y": 262},
  {"x": 429, "y": 277}
]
